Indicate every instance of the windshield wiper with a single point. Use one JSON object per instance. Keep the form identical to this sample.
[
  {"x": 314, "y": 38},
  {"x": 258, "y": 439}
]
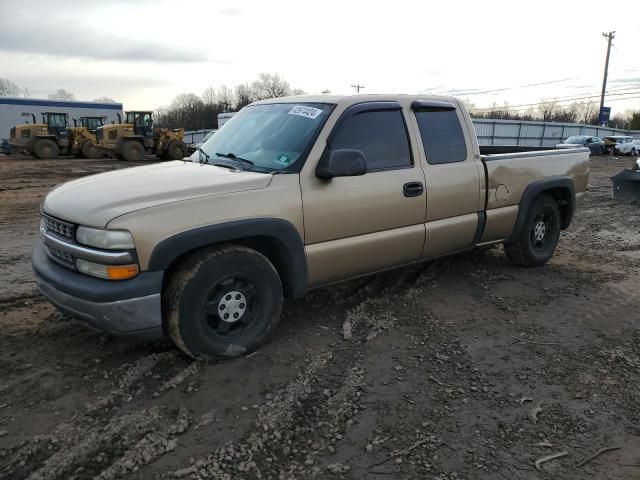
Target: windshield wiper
[
  {"x": 206, "y": 156},
  {"x": 233, "y": 156}
]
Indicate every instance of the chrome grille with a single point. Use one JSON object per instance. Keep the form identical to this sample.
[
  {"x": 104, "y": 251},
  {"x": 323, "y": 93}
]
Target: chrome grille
[{"x": 60, "y": 228}]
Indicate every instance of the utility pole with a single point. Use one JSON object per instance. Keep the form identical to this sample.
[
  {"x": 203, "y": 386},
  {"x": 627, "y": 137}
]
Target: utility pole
[
  {"x": 357, "y": 86},
  {"x": 609, "y": 36}
]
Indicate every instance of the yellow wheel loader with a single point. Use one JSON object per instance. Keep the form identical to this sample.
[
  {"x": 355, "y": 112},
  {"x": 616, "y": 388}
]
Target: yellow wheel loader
[
  {"x": 82, "y": 137},
  {"x": 43, "y": 140},
  {"x": 136, "y": 136}
]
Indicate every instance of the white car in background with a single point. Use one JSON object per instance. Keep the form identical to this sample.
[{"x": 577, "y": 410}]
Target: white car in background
[{"x": 629, "y": 148}]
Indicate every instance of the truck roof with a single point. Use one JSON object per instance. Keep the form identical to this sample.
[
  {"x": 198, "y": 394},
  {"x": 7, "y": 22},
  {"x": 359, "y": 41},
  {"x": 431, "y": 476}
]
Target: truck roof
[{"x": 357, "y": 98}]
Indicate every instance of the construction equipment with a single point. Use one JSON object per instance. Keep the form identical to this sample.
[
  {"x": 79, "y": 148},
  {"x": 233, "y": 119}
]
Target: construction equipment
[
  {"x": 82, "y": 138},
  {"x": 136, "y": 136},
  {"x": 44, "y": 140}
]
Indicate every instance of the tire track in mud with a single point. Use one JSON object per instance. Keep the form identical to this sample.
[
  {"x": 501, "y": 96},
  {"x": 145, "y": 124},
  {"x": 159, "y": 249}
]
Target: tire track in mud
[
  {"x": 296, "y": 431},
  {"x": 98, "y": 443}
]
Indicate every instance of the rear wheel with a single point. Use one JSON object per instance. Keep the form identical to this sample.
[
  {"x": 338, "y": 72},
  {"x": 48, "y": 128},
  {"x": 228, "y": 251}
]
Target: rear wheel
[
  {"x": 132, "y": 151},
  {"x": 45, "y": 148},
  {"x": 539, "y": 235},
  {"x": 176, "y": 150},
  {"x": 89, "y": 150},
  {"x": 222, "y": 302}
]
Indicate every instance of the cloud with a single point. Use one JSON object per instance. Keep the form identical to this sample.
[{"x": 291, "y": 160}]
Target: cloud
[
  {"x": 102, "y": 46},
  {"x": 68, "y": 32}
]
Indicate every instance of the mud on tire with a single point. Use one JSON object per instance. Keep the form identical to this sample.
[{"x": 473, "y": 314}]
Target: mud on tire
[
  {"x": 540, "y": 233},
  {"x": 222, "y": 302}
]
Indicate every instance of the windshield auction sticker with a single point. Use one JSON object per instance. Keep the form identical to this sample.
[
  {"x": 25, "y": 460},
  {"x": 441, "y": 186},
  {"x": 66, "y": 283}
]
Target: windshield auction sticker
[{"x": 308, "y": 112}]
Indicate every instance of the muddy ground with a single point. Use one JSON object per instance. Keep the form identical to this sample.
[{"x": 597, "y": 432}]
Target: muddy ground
[{"x": 463, "y": 368}]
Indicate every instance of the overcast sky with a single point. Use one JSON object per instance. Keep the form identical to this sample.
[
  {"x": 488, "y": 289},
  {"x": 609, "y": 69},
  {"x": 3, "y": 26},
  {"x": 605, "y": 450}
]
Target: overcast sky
[{"x": 143, "y": 53}]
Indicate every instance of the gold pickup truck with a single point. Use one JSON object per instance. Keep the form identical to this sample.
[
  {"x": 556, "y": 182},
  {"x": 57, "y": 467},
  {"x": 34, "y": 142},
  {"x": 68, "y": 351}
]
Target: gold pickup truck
[{"x": 290, "y": 195}]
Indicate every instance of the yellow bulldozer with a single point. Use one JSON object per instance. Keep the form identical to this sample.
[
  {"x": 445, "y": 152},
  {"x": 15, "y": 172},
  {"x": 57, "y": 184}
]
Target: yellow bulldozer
[
  {"x": 82, "y": 137},
  {"x": 136, "y": 136},
  {"x": 44, "y": 140}
]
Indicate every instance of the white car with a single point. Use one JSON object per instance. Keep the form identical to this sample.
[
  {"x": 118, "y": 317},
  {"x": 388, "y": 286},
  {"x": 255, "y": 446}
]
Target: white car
[{"x": 629, "y": 148}]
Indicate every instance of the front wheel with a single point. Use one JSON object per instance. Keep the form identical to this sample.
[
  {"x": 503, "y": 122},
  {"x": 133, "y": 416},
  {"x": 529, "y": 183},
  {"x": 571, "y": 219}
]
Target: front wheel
[
  {"x": 45, "y": 148},
  {"x": 540, "y": 233},
  {"x": 176, "y": 150},
  {"x": 222, "y": 302},
  {"x": 132, "y": 151}
]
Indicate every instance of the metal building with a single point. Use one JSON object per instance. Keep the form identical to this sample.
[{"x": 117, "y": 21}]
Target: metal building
[{"x": 15, "y": 111}]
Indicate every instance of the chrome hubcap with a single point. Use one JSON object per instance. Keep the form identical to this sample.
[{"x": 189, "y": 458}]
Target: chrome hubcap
[
  {"x": 232, "y": 306},
  {"x": 539, "y": 230}
]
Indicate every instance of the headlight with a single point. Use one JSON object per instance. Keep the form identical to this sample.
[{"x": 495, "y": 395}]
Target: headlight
[
  {"x": 110, "y": 272},
  {"x": 107, "y": 239}
]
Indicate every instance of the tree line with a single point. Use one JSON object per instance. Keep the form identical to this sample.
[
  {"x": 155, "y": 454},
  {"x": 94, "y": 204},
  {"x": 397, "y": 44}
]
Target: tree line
[
  {"x": 553, "y": 111},
  {"x": 198, "y": 112}
]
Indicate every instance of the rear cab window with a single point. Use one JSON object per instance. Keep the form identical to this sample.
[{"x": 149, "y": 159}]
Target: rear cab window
[{"x": 441, "y": 132}]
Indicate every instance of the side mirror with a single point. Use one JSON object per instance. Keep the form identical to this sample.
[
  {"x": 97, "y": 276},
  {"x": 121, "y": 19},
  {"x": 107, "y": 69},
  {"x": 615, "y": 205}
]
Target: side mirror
[{"x": 345, "y": 162}]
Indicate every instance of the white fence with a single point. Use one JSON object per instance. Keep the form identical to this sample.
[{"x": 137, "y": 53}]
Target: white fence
[
  {"x": 537, "y": 134},
  {"x": 195, "y": 136},
  {"x": 508, "y": 132}
]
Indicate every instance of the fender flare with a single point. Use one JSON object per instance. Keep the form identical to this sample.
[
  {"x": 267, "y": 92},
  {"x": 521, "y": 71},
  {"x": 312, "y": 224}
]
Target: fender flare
[
  {"x": 278, "y": 236},
  {"x": 540, "y": 186}
]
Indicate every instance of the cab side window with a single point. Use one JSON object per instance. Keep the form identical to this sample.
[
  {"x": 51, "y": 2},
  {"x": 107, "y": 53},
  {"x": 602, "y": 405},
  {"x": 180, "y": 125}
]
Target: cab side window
[
  {"x": 442, "y": 136},
  {"x": 380, "y": 135}
]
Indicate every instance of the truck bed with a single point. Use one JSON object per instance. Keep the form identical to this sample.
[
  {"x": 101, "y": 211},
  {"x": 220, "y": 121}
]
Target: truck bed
[{"x": 510, "y": 169}]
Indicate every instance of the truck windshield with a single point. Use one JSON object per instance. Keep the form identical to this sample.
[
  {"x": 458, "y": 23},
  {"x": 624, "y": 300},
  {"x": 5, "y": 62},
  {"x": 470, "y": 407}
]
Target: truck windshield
[{"x": 272, "y": 136}]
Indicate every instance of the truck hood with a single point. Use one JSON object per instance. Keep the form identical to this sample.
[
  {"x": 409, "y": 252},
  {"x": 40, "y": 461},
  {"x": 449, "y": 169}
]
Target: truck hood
[{"x": 97, "y": 199}]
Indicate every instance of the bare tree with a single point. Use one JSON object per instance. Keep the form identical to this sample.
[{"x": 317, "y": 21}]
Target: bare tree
[
  {"x": 61, "y": 94},
  {"x": 225, "y": 98},
  {"x": 209, "y": 96},
  {"x": 547, "y": 110},
  {"x": 244, "y": 95},
  {"x": 105, "y": 100},
  {"x": 8, "y": 88},
  {"x": 297, "y": 91},
  {"x": 270, "y": 86},
  {"x": 588, "y": 113}
]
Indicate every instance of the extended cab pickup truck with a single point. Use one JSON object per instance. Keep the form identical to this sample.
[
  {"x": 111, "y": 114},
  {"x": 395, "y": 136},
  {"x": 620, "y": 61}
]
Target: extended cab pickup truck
[{"x": 293, "y": 194}]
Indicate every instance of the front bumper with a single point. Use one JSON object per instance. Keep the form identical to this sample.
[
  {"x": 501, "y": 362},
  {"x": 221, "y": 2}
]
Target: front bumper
[{"x": 127, "y": 307}]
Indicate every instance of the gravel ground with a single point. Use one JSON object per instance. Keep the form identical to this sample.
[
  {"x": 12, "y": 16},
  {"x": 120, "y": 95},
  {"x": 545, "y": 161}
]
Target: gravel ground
[{"x": 462, "y": 368}]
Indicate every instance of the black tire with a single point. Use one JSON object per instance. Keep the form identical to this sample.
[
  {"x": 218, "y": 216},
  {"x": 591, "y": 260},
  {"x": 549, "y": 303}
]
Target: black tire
[
  {"x": 540, "y": 233},
  {"x": 46, "y": 148},
  {"x": 176, "y": 150},
  {"x": 634, "y": 152},
  {"x": 224, "y": 280},
  {"x": 89, "y": 150},
  {"x": 132, "y": 151}
]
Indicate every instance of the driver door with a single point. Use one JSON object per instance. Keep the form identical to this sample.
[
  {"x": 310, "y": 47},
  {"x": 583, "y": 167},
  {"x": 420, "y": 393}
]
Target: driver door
[{"x": 356, "y": 225}]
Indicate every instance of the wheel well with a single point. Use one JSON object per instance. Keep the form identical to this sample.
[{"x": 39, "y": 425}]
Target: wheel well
[
  {"x": 268, "y": 246},
  {"x": 563, "y": 198}
]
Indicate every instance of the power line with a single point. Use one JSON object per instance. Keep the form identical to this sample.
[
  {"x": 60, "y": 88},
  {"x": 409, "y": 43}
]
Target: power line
[
  {"x": 570, "y": 99},
  {"x": 474, "y": 92},
  {"x": 357, "y": 86}
]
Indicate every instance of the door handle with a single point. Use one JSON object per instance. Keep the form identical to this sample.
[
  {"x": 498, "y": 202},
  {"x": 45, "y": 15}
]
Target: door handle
[{"x": 413, "y": 189}]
